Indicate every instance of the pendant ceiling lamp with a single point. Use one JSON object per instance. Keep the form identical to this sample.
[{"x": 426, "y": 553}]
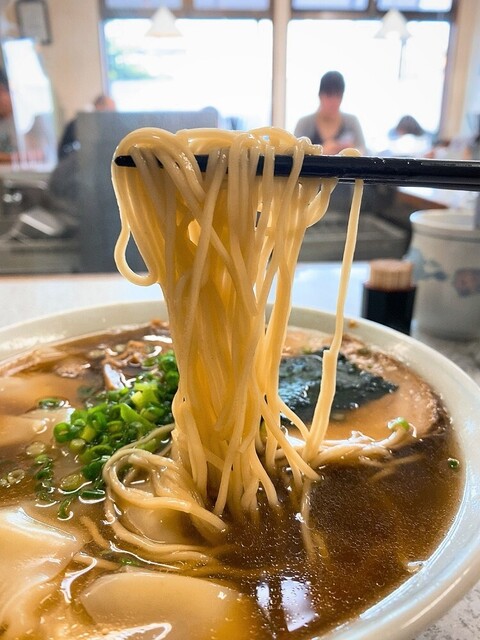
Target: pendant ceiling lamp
[
  {"x": 163, "y": 24},
  {"x": 394, "y": 25}
]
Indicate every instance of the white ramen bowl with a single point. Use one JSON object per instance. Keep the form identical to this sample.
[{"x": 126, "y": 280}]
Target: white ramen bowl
[{"x": 454, "y": 567}]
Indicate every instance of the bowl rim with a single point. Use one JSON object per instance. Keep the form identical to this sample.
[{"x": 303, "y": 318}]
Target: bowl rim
[
  {"x": 449, "y": 223},
  {"x": 454, "y": 568}
]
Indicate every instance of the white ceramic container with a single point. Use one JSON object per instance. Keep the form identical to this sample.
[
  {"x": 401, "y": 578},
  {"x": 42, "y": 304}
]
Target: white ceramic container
[
  {"x": 445, "y": 251},
  {"x": 455, "y": 567}
]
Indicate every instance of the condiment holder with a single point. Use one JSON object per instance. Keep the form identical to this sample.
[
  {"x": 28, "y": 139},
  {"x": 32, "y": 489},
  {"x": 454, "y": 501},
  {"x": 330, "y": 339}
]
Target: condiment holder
[{"x": 389, "y": 294}]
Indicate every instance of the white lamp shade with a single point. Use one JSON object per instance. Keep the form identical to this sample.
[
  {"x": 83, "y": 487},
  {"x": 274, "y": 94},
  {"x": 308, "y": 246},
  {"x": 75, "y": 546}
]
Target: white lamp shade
[
  {"x": 163, "y": 24},
  {"x": 393, "y": 25}
]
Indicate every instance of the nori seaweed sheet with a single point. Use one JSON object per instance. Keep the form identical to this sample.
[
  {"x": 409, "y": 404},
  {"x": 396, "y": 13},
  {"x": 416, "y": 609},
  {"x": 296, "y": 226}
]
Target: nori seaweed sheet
[{"x": 299, "y": 384}]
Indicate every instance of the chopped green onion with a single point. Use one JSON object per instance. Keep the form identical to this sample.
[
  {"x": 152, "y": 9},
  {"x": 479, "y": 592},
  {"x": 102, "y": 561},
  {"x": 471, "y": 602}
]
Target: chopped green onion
[
  {"x": 453, "y": 463},
  {"x": 101, "y": 450},
  {"x": 64, "y": 512},
  {"x": 43, "y": 458},
  {"x": 61, "y": 431},
  {"x": 45, "y": 495},
  {"x": 51, "y": 403},
  {"x": 93, "y": 471},
  {"x": 76, "y": 445},
  {"x": 45, "y": 472},
  {"x": 92, "y": 495},
  {"x": 398, "y": 423},
  {"x": 72, "y": 482},
  {"x": 88, "y": 433},
  {"x": 110, "y": 420}
]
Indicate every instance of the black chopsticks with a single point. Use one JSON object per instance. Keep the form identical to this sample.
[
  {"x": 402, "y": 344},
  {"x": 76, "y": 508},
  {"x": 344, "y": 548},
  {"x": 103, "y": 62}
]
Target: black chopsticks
[{"x": 462, "y": 175}]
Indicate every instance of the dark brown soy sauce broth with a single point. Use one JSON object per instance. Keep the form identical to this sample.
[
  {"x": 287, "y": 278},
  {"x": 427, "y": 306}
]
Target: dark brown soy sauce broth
[{"x": 376, "y": 530}]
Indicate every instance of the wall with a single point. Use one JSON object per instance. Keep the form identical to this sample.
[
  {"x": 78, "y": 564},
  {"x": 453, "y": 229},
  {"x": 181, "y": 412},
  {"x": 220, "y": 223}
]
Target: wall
[
  {"x": 462, "y": 88},
  {"x": 73, "y": 59},
  {"x": 75, "y": 48},
  {"x": 472, "y": 94}
]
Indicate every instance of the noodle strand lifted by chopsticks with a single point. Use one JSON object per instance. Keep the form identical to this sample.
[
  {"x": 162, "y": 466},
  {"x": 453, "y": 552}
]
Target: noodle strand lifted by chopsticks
[{"x": 217, "y": 243}]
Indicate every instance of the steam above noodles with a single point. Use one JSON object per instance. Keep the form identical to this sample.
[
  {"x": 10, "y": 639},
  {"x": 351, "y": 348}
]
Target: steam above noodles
[{"x": 219, "y": 243}]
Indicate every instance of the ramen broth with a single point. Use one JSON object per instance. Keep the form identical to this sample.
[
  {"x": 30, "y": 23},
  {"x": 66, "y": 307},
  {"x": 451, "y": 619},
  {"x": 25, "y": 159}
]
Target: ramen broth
[{"x": 363, "y": 529}]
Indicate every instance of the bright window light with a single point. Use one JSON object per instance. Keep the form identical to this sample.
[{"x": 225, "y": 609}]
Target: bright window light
[
  {"x": 224, "y": 64},
  {"x": 382, "y": 82}
]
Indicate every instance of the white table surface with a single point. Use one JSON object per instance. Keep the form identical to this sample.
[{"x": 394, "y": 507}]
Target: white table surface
[{"x": 27, "y": 297}]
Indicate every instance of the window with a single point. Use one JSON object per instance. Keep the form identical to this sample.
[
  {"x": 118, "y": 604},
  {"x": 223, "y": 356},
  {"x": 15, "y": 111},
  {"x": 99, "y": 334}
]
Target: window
[
  {"x": 383, "y": 79},
  {"x": 141, "y": 6},
  {"x": 32, "y": 103},
  {"x": 330, "y": 5},
  {"x": 415, "y": 5},
  {"x": 232, "y": 5},
  {"x": 208, "y": 66},
  {"x": 183, "y": 8},
  {"x": 226, "y": 62},
  {"x": 151, "y": 5}
]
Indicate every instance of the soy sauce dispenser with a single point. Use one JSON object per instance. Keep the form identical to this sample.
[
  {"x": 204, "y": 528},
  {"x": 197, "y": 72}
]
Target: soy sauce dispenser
[{"x": 389, "y": 294}]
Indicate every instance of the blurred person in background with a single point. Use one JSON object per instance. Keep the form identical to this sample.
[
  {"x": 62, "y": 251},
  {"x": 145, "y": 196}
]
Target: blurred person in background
[
  {"x": 408, "y": 139},
  {"x": 329, "y": 126},
  {"x": 407, "y": 126},
  {"x": 69, "y": 141}
]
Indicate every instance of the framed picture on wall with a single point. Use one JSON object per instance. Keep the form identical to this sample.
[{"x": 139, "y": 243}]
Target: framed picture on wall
[{"x": 33, "y": 20}]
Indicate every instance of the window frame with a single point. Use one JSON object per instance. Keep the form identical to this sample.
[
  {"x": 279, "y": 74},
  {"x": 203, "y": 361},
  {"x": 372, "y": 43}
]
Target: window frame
[
  {"x": 188, "y": 11},
  {"x": 371, "y": 12}
]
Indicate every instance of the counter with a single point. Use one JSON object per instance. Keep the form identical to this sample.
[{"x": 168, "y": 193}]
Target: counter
[
  {"x": 430, "y": 198},
  {"x": 315, "y": 286}
]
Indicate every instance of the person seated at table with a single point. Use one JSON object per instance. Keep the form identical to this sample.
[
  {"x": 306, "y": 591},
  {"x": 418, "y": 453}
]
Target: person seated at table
[
  {"x": 329, "y": 126},
  {"x": 408, "y": 138},
  {"x": 407, "y": 126}
]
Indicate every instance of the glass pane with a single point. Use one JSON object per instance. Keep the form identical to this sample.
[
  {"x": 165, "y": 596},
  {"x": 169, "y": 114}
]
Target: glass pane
[
  {"x": 209, "y": 66},
  {"x": 232, "y": 5},
  {"x": 141, "y": 4},
  {"x": 384, "y": 80},
  {"x": 329, "y": 5},
  {"x": 415, "y": 5}
]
